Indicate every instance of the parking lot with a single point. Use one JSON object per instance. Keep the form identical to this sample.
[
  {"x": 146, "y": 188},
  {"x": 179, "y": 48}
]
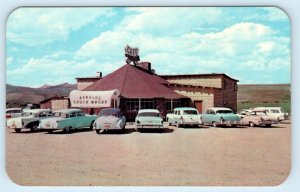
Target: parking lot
[{"x": 174, "y": 157}]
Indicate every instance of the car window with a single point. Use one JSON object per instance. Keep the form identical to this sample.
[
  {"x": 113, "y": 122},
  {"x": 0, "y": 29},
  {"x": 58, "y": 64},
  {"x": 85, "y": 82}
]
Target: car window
[
  {"x": 43, "y": 114},
  {"x": 72, "y": 114},
  {"x": 190, "y": 112},
  {"x": 79, "y": 113},
  {"x": 224, "y": 111},
  {"x": 148, "y": 114}
]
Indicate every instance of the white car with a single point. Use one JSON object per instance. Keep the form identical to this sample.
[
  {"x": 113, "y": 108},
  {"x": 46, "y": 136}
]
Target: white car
[
  {"x": 13, "y": 112},
  {"x": 28, "y": 120},
  {"x": 276, "y": 113},
  {"x": 109, "y": 119},
  {"x": 149, "y": 118},
  {"x": 184, "y": 116}
]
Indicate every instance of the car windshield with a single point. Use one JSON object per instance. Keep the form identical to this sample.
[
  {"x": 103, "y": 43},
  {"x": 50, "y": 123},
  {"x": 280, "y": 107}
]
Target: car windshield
[
  {"x": 148, "y": 114},
  {"x": 26, "y": 114},
  {"x": 60, "y": 114},
  {"x": 108, "y": 113},
  {"x": 190, "y": 112},
  {"x": 223, "y": 111}
]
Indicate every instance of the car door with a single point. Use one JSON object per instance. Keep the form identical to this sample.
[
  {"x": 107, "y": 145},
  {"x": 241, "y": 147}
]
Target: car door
[{"x": 82, "y": 120}]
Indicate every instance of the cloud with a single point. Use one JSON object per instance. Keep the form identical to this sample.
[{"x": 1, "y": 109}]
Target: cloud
[
  {"x": 167, "y": 20},
  {"x": 9, "y": 60},
  {"x": 40, "y": 26}
]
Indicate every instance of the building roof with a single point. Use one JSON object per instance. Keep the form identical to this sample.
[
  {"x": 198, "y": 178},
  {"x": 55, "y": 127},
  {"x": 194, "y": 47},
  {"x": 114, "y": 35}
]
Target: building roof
[
  {"x": 198, "y": 75},
  {"x": 54, "y": 97},
  {"x": 135, "y": 82},
  {"x": 92, "y": 78}
]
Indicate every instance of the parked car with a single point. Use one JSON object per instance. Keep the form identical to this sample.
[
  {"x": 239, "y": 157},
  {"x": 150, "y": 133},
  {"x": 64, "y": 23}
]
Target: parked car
[
  {"x": 149, "y": 118},
  {"x": 13, "y": 112},
  {"x": 276, "y": 113},
  {"x": 109, "y": 119},
  {"x": 258, "y": 118},
  {"x": 67, "y": 119},
  {"x": 184, "y": 116},
  {"x": 29, "y": 119},
  {"x": 244, "y": 112},
  {"x": 220, "y": 116}
]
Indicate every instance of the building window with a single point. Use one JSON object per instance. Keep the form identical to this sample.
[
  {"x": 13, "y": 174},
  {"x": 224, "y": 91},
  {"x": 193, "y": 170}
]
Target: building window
[
  {"x": 133, "y": 104},
  {"x": 169, "y": 107},
  {"x": 147, "y": 104}
]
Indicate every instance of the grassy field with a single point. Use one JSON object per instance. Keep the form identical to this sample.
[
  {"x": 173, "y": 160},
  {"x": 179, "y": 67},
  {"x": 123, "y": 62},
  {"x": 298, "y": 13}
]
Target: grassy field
[{"x": 277, "y": 95}]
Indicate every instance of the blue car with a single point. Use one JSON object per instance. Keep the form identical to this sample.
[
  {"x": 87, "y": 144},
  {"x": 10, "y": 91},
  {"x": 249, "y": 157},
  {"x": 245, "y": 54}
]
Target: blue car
[{"x": 220, "y": 116}]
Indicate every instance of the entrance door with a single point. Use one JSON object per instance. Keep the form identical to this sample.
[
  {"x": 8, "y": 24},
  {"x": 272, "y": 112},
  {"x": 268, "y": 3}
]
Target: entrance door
[{"x": 198, "y": 106}]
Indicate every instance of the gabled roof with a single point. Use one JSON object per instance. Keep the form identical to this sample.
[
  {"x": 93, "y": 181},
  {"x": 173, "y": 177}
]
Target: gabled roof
[{"x": 135, "y": 82}]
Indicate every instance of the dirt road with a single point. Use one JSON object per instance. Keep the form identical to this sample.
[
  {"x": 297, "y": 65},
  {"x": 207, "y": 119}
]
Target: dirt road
[{"x": 178, "y": 156}]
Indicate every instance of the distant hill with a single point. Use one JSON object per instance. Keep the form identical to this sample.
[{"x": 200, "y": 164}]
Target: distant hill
[
  {"x": 264, "y": 95},
  {"x": 18, "y": 95}
]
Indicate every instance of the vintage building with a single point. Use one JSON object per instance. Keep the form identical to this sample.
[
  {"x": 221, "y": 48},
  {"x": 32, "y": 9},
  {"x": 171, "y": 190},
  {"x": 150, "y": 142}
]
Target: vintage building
[
  {"x": 141, "y": 88},
  {"x": 83, "y": 82},
  {"x": 55, "y": 103},
  {"x": 206, "y": 90}
]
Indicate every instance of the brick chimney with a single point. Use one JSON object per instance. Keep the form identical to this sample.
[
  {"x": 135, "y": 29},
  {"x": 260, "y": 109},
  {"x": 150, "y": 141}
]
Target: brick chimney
[
  {"x": 98, "y": 74},
  {"x": 145, "y": 65}
]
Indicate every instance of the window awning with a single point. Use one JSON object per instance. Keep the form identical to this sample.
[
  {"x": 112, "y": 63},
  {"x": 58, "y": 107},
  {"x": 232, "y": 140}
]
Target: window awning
[{"x": 94, "y": 99}]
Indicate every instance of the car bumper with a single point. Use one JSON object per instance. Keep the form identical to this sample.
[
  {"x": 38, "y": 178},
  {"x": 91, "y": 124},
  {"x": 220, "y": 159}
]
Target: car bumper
[
  {"x": 229, "y": 123},
  {"x": 267, "y": 122},
  {"x": 150, "y": 126}
]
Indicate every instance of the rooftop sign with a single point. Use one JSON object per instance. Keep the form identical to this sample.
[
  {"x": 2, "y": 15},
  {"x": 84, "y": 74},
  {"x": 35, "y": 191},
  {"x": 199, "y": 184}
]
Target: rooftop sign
[{"x": 132, "y": 55}]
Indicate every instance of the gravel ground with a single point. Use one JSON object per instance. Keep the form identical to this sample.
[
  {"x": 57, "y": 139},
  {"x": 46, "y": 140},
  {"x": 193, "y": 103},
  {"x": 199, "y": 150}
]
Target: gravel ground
[{"x": 176, "y": 157}]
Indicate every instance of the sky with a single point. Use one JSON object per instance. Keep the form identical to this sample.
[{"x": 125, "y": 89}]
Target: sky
[{"x": 55, "y": 45}]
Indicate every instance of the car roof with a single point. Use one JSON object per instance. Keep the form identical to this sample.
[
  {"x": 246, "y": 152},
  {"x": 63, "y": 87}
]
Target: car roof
[
  {"x": 66, "y": 110},
  {"x": 35, "y": 110},
  {"x": 219, "y": 108},
  {"x": 13, "y": 109},
  {"x": 185, "y": 108},
  {"x": 111, "y": 109},
  {"x": 148, "y": 110}
]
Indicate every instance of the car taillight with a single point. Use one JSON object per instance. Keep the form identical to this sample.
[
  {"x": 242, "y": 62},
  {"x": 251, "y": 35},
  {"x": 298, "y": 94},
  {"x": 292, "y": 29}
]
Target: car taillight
[{"x": 8, "y": 116}]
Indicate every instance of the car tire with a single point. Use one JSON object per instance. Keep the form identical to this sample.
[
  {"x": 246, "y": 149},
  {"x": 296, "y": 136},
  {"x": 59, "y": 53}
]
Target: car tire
[
  {"x": 98, "y": 131},
  {"x": 91, "y": 126},
  {"x": 17, "y": 130},
  {"x": 268, "y": 125},
  {"x": 214, "y": 124},
  {"x": 67, "y": 129},
  {"x": 251, "y": 124},
  {"x": 34, "y": 128}
]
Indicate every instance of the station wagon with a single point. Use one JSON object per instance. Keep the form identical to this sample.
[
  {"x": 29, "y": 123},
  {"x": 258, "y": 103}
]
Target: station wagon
[{"x": 184, "y": 116}]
